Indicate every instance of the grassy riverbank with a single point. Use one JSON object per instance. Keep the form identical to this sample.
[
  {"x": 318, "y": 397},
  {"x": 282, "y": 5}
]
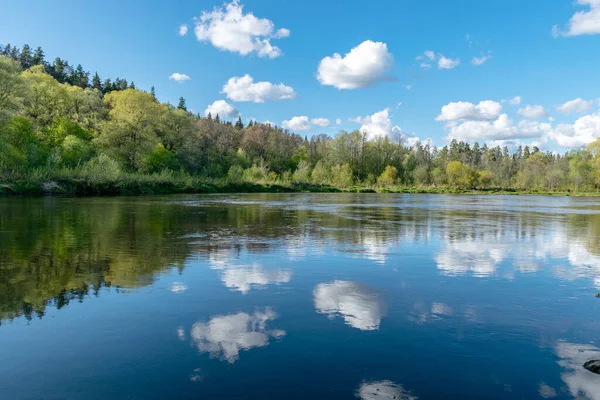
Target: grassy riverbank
[{"x": 69, "y": 184}]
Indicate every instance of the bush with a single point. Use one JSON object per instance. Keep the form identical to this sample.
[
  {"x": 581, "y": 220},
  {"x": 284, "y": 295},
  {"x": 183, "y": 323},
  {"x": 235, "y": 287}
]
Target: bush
[
  {"x": 388, "y": 176},
  {"x": 101, "y": 168},
  {"x": 461, "y": 175},
  {"x": 159, "y": 159},
  {"x": 235, "y": 174},
  {"x": 321, "y": 174},
  {"x": 75, "y": 151},
  {"x": 342, "y": 175},
  {"x": 302, "y": 173}
]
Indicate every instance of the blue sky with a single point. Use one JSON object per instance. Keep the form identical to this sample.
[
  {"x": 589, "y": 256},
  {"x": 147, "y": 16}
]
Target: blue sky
[{"x": 545, "y": 52}]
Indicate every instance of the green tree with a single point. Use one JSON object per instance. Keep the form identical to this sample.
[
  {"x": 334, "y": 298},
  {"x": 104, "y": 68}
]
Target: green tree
[
  {"x": 181, "y": 105},
  {"x": 388, "y": 176},
  {"x": 12, "y": 88},
  {"x": 130, "y": 132}
]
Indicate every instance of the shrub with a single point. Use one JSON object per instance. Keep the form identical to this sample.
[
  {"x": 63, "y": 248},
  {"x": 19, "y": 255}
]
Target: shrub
[{"x": 388, "y": 176}]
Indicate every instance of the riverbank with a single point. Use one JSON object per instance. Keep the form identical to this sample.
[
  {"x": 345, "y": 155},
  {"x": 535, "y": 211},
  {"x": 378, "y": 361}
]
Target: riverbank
[{"x": 138, "y": 184}]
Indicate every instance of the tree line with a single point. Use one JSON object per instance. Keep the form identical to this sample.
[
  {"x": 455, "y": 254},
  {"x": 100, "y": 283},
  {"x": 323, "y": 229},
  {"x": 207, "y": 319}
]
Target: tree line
[{"x": 56, "y": 120}]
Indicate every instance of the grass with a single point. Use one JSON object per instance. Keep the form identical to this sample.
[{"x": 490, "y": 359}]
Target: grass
[{"x": 78, "y": 183}]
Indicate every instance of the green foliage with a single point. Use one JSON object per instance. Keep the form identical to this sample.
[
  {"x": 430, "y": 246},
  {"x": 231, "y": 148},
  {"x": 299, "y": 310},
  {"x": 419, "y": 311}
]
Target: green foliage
[
  {"x": 321, "y": 174},
  {"x": 58, "y": 119},
  {"x": 388, "y": 176},
  {"x": 342, "y": 175},
  {"x": 235, "y": 174},
  {"x": 101, "y": 168},
  {"x": 302, "y": 173},
  {"x": 12, "y": 88},
  {"x": 460, "y": 175},
  {"x": 75, "y": 151},
  {"x": 160, "y": 159}
]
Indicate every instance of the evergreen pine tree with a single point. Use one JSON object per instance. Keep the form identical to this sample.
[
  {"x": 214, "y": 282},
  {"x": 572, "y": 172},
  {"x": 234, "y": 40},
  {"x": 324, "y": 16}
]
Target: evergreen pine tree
[
  {"x": 209, "y": 116},
  {"x": 26, "y": 58},
  {"x": 38, "y": 56},
  {"x": 97, "y": 82},
  {"x": 239, "y": 124},
  {"x": 181, "y": 105},
  {"x": 153, "y": 92},
  {"x": 217, "y": 119}
]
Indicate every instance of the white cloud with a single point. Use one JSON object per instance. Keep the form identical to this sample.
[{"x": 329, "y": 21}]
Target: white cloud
[
  {"x": 363, "y": 66},
  {"x": 584, "y": 131},
  {"x": 376, "y": 125},
  {"x": 183, "y": 30},
  {"x": 447, "y": 63},
  {"x": 577, "y": 105},
  {"x": 297, "y": 123},
  {"x": 322, "y": 122},
  {"x": 582, "y": 22},
  {"x": 503, "y": 128},
  {"x": 223, "y": 109},
  {"x": 461, "y": 110},
  {"x": 480, "y": 60},
  {"x": 532, "y": 111},
  {"x": 429, "y": 54},
  {"x": 515, "y": 101},
  {"x": 225, "y": 336},
  {"x": 383, "y": 390},
  {"x": 244, "y": 89},
  {"x": 176, "y": 76},
  {"x": 359, "y": 307},
  {"x": 408, "y": 87},
  {"x": 338, "y": 121},
  {"x": 425, "y": 65},
  {"x": 228, "y": 28}
]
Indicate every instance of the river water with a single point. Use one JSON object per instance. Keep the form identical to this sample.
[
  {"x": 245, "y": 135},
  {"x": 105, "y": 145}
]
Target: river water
[{"x": 299, "y": 296}]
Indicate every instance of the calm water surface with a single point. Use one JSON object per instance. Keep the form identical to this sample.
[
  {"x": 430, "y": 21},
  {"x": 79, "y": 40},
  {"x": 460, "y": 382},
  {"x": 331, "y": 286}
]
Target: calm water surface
[{"x": 328, "y": 296}]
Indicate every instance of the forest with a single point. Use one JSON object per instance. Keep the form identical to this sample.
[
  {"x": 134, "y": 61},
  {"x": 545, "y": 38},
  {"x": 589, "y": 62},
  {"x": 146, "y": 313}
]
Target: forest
[{"x": 67, "y": 131}]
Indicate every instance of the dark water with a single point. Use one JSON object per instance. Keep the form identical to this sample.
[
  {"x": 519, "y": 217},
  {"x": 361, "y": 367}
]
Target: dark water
[{"x": 299, "y": 297}]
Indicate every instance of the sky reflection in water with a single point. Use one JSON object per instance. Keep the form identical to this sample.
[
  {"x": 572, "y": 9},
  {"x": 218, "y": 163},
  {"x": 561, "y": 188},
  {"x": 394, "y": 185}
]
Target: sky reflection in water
[{"x": 300, "y": 296}]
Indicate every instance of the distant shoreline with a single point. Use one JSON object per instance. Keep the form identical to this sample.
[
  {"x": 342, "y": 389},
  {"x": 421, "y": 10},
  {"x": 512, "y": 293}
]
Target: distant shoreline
[{"x": 153, "y": 185}]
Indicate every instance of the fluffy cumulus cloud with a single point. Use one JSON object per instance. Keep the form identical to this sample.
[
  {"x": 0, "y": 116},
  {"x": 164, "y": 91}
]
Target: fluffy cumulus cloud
[
  {"x": 228, "y": 28},
  {"x": 245, "y": 89},
  {"x": 223, "y": 109},
  {"x": 178, "y": 77},
  {"x": 183, "y": 30},
  {"x": 377, "y": 125},
  {"x": 480, "y": 60},
  {"x": 338, "y": 121},
  {"x": 462, "y": 110},
  {"x": 300, "y": 123},
  {"x": 363, "y": 66},
  {"x": 383, "y": 390},
  {"x": 584, "y": 131},
  {"x": 322, "y": 122},
  {"x": 584, "y": 22},
  {"x": 447, "y": 63},
  {"x": 532, "y": 111},
  {"x": 359, "y": 306},
  {"x": 225, "y": 336},
  {"x": 501, "y": 129},
  {"x": 577, "y": 105}
]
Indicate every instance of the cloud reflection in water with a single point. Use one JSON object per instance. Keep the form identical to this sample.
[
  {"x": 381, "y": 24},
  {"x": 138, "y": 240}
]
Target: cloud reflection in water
[{"x": 358, "y": 305}]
